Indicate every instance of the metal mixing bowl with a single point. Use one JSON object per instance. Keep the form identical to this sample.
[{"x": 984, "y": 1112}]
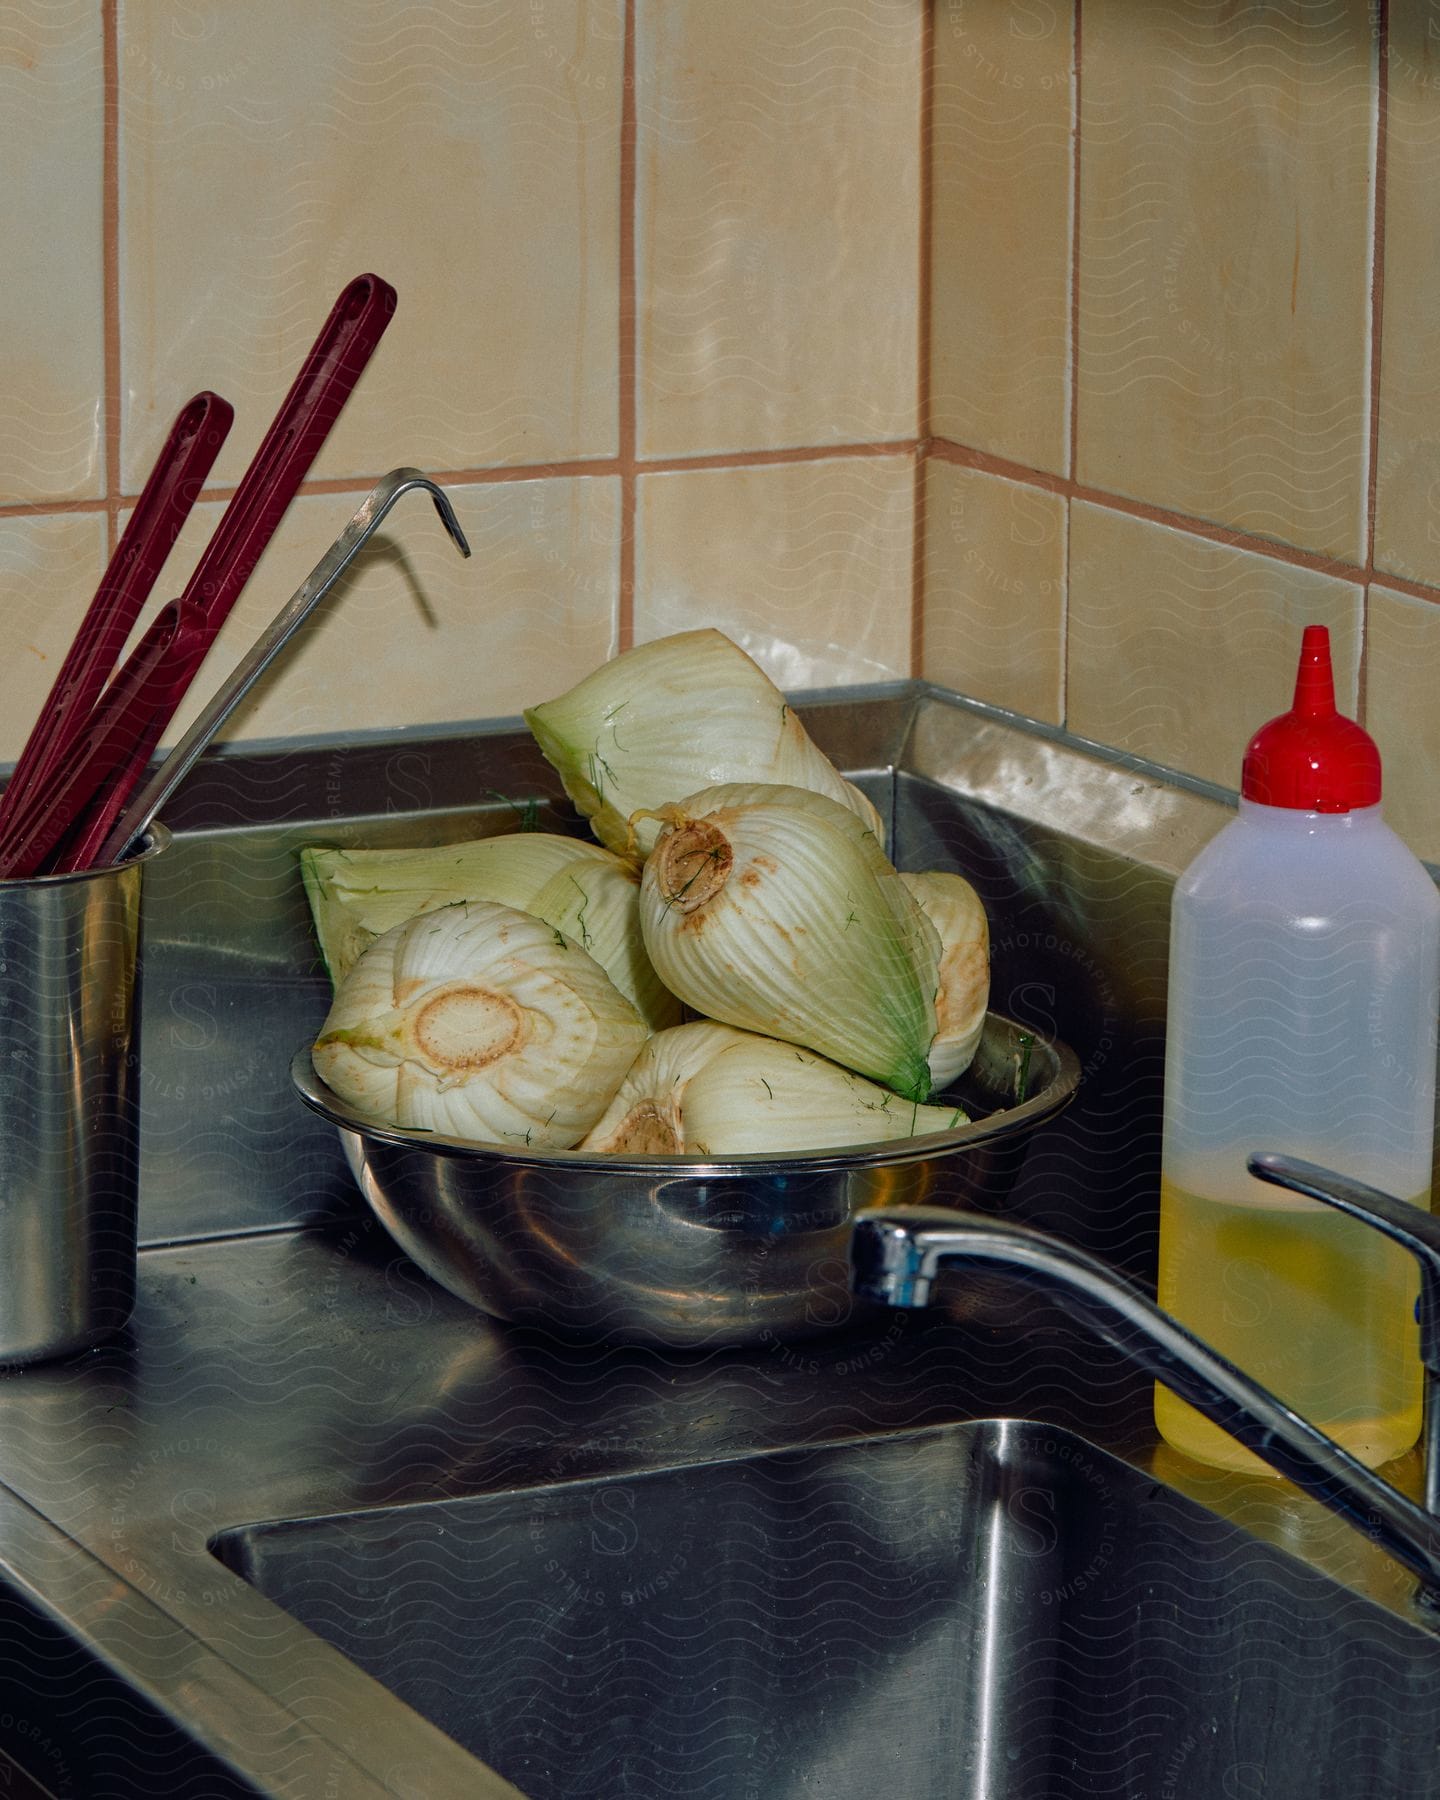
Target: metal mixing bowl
[{"x": 681, "y": 1250}]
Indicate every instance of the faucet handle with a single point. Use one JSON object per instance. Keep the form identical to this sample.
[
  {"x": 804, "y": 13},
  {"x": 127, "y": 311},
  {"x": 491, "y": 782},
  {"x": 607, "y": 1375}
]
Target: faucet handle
[{"x": 1401, "y": 1220}]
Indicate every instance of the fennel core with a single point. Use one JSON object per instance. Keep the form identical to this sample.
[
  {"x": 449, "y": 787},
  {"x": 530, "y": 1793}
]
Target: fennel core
[{"x": 694, "y": 863}]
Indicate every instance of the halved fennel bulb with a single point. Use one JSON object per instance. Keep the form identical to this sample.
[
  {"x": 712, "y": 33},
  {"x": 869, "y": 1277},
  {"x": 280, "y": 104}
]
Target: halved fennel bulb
[
  {"x": 765, "y": 1096},
  {"x": 646, "y": 1117},
  {"x": 479, "y": 1021},
  {"x": 955, "y": 910},
  {"x": 668, "y": 717},
  {"x": 775, "y": 909},
  {"x": 709, "y": 1090},
  {"x": 355, "y": 895},
  {"x": 581, "y": 889}
]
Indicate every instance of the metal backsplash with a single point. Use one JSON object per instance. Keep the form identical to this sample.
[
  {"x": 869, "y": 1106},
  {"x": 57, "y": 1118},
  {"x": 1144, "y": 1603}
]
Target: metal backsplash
[{"x": 1074, "y": 854}]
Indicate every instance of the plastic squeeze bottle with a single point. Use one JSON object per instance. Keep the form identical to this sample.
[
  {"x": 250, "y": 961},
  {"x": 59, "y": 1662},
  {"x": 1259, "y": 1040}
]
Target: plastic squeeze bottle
[{"x": 1304, "y": 990}]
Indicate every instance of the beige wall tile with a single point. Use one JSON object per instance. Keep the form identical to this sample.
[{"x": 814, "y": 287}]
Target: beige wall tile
[
  {"x": 1180, "y": 649},
  {"x": 995, "y": 590},
  {"x": 806, "y": 565},
  {"x": 1000, "y": 227},
  {"x": 49, "y": 569},
  {"x": 1407, "y": 496},
  {"x": 777, "y": 223},
  {"x": 1402, "y": 653},
  {"x": 52, "y": 375},
  {"x": 470, "y": 155},
  {"x": 1225, "y": 230},
  {"x": 418, "y": 636}
]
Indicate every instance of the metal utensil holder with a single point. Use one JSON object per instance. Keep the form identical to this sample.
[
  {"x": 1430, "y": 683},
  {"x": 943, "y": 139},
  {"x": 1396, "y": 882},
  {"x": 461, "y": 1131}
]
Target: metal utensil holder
[{"x": 69, "y": 1137}]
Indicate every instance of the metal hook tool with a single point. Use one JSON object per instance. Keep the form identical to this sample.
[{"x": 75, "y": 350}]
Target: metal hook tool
[{"x": 172, "y": 771}]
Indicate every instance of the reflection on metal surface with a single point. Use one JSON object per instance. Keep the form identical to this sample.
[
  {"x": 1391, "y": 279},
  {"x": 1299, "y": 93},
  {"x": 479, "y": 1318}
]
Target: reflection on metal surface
[
  {"x": 974, "y": 1613},
  {"x": 1414, "y": 1230},
  {"x": 898, "y": 1255},
  {"x": 1079, "y": 927},
  {"x": 69, "y": 1125},
  {"x": 677, "y": 1250},
  {"x": 296, "y": 1378},
  {"x": 1095, "y": 795}
]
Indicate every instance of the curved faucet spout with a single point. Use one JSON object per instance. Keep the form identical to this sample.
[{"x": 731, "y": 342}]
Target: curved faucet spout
[{"x": 895, "y": 1256}]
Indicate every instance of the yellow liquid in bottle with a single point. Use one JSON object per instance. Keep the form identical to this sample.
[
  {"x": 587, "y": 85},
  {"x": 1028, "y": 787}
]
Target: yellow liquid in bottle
[{"x": 1315, "y": 1306}]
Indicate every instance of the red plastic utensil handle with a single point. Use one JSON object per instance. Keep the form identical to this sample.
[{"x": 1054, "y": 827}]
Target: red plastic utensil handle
[
  {"x": 117, "y": 723},
  {"x": 334, "y": 364},
  {"x": 80, "y": 808},
  {"x": 173, "y": 675},
  {"x": 185, "y": 460}
]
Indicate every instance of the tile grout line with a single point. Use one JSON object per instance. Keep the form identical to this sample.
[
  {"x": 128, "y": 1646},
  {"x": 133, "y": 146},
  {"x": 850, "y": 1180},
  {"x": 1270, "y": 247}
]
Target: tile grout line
[
  {"x": 51, "y": 509},
  {"x": 931, "y": 449},
  {"x": 1063, "y": 697},
  {"x": 1072, "y": 358},
  {"x": 666, "y": 465},
  {"x": 918, "y": 517},
  {"x": 629, "y": 328},
  {"x": 925, "y": 252},
  {"x": 110, "y": 267},
  {"x": 590, "y": 468},
  {"x": 1377, "y": 315},
  {"x": 1231, "y": 536}
]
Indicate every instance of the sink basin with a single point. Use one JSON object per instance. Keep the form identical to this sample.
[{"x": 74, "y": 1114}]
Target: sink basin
[{"x": 987, "y": 1609}]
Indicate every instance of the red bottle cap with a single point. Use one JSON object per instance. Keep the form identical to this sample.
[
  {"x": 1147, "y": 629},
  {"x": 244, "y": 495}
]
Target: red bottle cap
[{"x": 1312, "y": 758}]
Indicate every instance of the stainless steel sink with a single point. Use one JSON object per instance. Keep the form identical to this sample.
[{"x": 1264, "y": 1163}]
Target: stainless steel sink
[{"x": 989, "y": 1609}]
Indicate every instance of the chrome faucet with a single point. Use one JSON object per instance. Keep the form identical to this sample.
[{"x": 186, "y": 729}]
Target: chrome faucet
[{"x": 895, "y": 1256}]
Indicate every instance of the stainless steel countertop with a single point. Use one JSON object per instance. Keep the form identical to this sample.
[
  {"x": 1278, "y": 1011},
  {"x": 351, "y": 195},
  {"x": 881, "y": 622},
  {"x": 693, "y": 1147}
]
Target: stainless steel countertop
[
  {"x": 298, "y": 1374},
  {"x": 292, "y": 1372}
]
